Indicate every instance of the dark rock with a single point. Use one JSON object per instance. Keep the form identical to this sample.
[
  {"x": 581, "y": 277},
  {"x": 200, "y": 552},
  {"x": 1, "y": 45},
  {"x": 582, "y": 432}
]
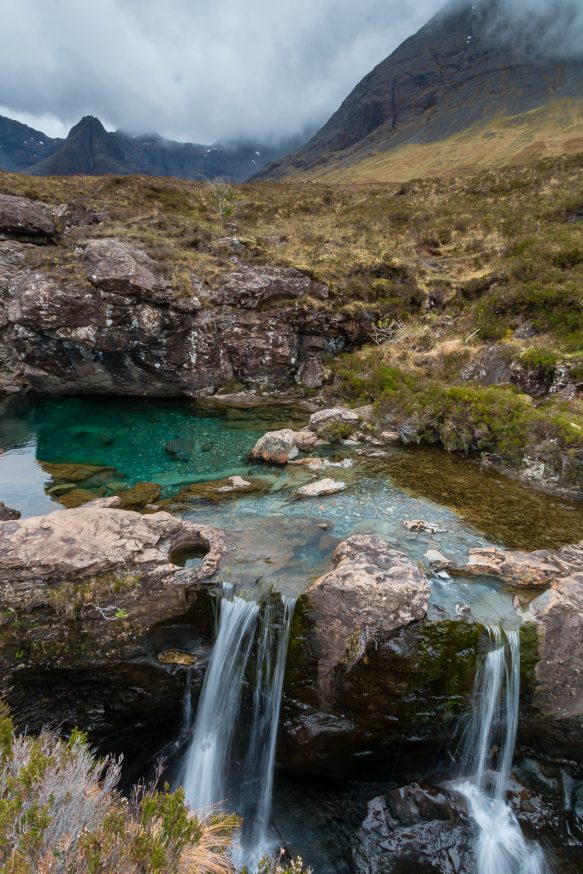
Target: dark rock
[
  {"x": 126, "y": 330},
  {"x": 7, "y": 513},
  {"x": 26, "y": 220},
  {"x": 416, "y": 828},
  {"x": 491, "y": 367}
]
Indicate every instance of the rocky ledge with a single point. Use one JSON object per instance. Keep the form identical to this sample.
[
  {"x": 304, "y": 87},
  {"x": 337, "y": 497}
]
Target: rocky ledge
[
  {"x": 90, "y": 599},
  {"x": 102, "y": 316}
]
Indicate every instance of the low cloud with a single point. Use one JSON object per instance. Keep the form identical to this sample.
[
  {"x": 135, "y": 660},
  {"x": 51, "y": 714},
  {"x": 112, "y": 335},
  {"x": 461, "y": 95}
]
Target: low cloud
[{"x": 221, "y": 69}]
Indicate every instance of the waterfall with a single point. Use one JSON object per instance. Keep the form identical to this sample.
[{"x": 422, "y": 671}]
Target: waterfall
[
  {"x": 231, "y": 757},
  {"x": 260, "y": 758},
  {"x": 487, "y": 759},
  {"x": 208, "y": 757}
]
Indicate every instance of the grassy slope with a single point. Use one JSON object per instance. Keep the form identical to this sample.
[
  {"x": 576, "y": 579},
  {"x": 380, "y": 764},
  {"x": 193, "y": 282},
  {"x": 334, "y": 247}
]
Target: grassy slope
[
  {"x": 554, "y": 129},
  {"x": 463, "y": 262}
]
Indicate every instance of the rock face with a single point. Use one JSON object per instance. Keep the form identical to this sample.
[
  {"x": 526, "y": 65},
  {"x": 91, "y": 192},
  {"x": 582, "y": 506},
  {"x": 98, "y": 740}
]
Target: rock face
[
  {"x": 90, "y": 597},
  {"x": 539, "y": 568},
  {"x": 26, "y": 220},
  {"x": 557, "y": 700},
  {"x": 122, "y": 328}
]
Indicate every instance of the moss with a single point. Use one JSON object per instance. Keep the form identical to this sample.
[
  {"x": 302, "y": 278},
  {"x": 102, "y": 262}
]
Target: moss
[
  {"x": 542, "y": 360},
  {"x": 336, "y": 431}
]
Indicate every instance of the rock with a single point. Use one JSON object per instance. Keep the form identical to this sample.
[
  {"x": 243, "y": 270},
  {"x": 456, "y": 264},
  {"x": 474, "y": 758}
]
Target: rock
[
  {"x": 217, "y": 490},
  {"x": 139, "y": 495},
  {"x": 237, "y": 482},
  {"x": 419, "y": 525},
  {"x": 176, "y": 657},
  {"x": 305, "y": 439},
  {"x": 539, "y": 568},
  {"x": 438, "y": 561},
  {"x": 7, "y": 513},
  {"x": 92, "y": 594},
  {"x": 390, "y": 437},
  {"x": 76, "y": 497},
  {"x": 333, "y": 416},
  {"x": 491, "y": 367},
  {"x": 324, "y": 486},
  {"x": 276, "y": 447},
  {"x": 123, "y": 328},
  {"x": 26, "y": 220},
  {"x": 373, "y": 588},
  {"x": 316, "y": 463},
  {"x": 415, "y": 828},
  {"x": 562, "y": 385},
  {"x": 557, "y": 715},
  {"x": 251, "y": 286},
  {"x": 180, "y": 448},
  {"x": 77, "y": 473}
]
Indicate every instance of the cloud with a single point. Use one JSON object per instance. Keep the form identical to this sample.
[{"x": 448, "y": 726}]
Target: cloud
[
  {"x": 553, "y": 28},
  {"x": 195, "y": 70},
  {"x": 218, "y": 69}
]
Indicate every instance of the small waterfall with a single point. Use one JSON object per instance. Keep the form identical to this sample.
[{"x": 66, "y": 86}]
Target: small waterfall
[
  {"x": 487, "y": 759},
  {"x": 208, "y": 757},
  {"x": 260, "y": 759},
  {"x": 231, "y": 757}
]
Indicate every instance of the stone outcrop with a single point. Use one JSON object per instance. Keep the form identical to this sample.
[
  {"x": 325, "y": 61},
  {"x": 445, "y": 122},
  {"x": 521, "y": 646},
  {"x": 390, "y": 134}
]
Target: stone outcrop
[
  {"x": 539, "y": 568},
  {"x": 89, "y": 599},
  {"x": 367, "y": 671},
  {"x": 116, "y": 324},
  {"x": 26, "y": 220},
  {"x": 557, "y": 697}
]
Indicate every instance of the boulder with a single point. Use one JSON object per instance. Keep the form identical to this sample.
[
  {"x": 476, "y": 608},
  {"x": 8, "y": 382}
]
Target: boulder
[
  {"x": 305, "y": 439},
  {"x": 276, "y": 447},
  {"x": 26, "y": 220},
  {"x": 252, "y": 286},
  {"x": 539, "y": 568},
  {"x": 320, "y": 487},
  {"x": 437, "y": 560},
  {"x": 419, "y": 525},
  {"x": 334, "y": 416},
  {"x": 372, "y": 589},
  {"x": 415, "y": 828}
]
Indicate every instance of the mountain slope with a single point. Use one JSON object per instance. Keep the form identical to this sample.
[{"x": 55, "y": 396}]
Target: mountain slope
[
  {"x": 22, "y": 146},
  {"x": 458, "y": 71},
  {"x": 92, "y": 151}
]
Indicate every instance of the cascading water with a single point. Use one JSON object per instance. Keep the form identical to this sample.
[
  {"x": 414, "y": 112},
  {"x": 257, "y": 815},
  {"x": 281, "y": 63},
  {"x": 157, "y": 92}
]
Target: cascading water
[
  {"x": 208, "y": 756},
  {"x": 487, "y": 759},
  {"x": 213, "y": 772}
]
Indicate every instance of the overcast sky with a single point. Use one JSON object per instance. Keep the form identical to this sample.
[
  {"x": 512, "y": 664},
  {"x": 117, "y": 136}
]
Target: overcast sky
[{"x": 199, "y": 71}]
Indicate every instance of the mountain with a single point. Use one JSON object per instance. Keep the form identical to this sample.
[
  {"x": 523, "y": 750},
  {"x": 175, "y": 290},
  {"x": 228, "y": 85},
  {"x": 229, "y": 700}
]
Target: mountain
[
  {"x": 469, "y": 80},
  {"x": 91, "y": 150},
  {"x": 22, "y": 146}
]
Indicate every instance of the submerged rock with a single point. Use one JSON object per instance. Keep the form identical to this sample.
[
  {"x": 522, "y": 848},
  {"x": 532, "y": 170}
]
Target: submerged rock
[
  {"x": 324, "y": 486},
  {"x": 418, "y": 525}
]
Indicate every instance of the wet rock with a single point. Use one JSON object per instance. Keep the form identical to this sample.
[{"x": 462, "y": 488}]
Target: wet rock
[
  {"x": 373, "y": 588},
  {"x": 419, "y": 525},
  {"x": 324, "y": 486},
  {"x": 417, "y": 828},
  {"x": 77, "y": 473},
  {"x": 75, "y": 497},
  {"x": 539, "y": 568},
  {"x": 7, "y": 513},
  {"x": 437, "y": 560},
  {"x": 26, "y": 220},
  {"x": 276, "y": 447},
  {"x": 316, "y": 463},
  {"x": 333, "y": 416},
  {"x": 176, "y": 657},
  {"x": 556, "y": 719}
]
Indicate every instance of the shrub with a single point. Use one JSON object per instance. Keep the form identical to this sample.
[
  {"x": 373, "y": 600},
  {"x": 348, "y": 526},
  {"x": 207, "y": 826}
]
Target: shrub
[{"x": 60, "y": 813}]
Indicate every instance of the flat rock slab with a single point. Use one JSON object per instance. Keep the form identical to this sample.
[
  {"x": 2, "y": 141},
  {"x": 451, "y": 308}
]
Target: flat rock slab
[
  {"x": 95, "y": 539},
  {"x": 321, "y": 487},
  {"x": 539, "y": 568}
]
